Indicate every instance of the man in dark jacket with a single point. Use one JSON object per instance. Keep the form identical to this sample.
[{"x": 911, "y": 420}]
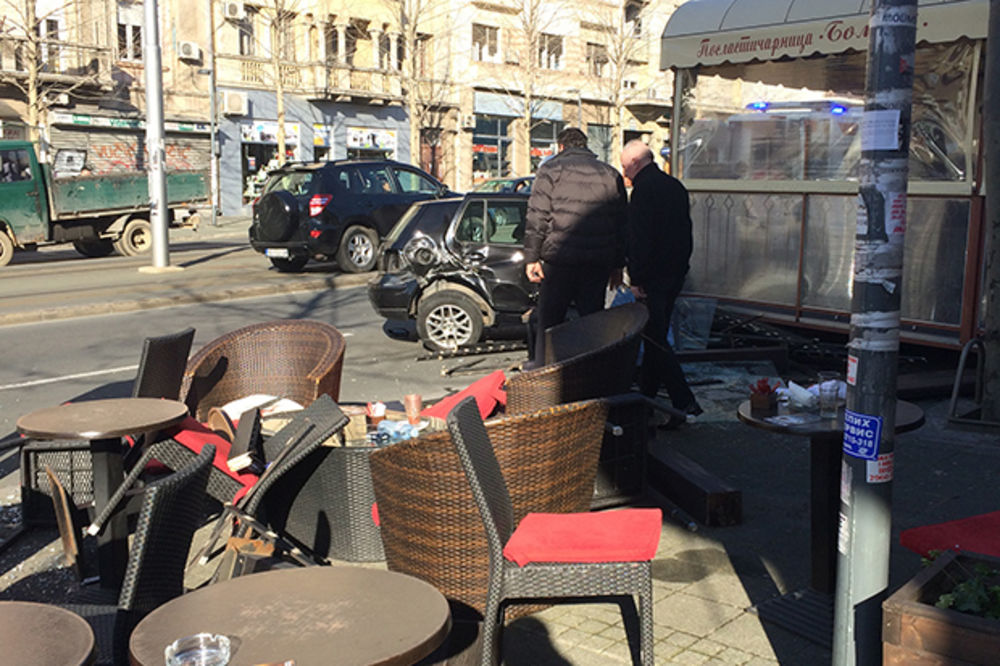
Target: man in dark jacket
[
  {"x": 574, "y": 241},
  {"x": 659, "y": 248}
]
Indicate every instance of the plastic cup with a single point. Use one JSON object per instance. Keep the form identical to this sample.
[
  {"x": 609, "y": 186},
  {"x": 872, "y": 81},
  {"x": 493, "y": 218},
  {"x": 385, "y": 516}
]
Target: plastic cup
[
  {"x": 829, "y": 395},
  {"x": 412, "y": 404},
  {"x": 198, "y": 650}
]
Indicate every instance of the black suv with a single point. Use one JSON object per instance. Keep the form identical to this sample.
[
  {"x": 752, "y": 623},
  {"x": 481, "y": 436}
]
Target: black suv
[
  {"x": 456, "y": 266},
  {"x": 335, "y": 209}
]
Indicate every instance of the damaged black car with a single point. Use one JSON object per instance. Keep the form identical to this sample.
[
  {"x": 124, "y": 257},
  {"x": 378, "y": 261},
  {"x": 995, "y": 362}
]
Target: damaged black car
[{"x": 456, "y": 267}]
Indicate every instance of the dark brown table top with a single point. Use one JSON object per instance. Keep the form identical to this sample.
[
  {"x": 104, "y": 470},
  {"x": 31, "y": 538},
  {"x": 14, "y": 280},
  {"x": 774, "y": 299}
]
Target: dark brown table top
[
  {"x": 34, "y": 634},
  {"x": 314, "y": 615},
  {"x": 102, "y": 419},
  {"x": 908, "y": 417}
]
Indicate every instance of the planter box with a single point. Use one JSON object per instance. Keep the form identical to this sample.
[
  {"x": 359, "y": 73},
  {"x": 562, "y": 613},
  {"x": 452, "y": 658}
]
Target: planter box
[{"x": 917, "y": 633}]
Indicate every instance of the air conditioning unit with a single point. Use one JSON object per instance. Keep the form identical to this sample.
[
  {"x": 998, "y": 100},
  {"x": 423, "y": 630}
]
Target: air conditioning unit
[
  {"x": 468, "y": 121},
  {"x": 234, "y": 11},
  {"x": 511, "y": 58},
  {"x": 234, "y": 103},
  {"x": 189, "y": 51},
  {"x": 60, "y": 99}
]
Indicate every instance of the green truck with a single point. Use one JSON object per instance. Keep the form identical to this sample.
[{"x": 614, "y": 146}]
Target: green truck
[{"x": 98, "y": 214}]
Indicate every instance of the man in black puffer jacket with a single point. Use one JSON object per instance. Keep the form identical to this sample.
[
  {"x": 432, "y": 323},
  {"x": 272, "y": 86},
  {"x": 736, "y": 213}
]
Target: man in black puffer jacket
[{"x": 574, "y": 241}]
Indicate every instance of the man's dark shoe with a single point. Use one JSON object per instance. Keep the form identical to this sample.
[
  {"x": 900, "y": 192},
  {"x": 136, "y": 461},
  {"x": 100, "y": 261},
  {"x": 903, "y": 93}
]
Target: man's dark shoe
[{"x": 674, "y": 422}]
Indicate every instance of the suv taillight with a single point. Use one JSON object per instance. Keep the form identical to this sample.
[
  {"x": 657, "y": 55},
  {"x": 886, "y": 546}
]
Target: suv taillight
[{"x": 318, "y": 202}]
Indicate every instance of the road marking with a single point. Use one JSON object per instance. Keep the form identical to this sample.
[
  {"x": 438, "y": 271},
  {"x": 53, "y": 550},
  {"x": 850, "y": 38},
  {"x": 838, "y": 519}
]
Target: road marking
[{"x": 78, "y": 375}]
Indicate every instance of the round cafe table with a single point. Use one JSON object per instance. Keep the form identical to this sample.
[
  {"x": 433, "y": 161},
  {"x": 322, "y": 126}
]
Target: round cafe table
[
  {"x": 33, "y": 634},
  {"x": 809, "y": 612},
  {"x": 103, "y": 423},
  {"x": 312, "y": 615}
]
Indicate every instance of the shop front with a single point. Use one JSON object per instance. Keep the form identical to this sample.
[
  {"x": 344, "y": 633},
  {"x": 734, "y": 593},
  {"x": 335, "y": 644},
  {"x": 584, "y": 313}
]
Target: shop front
[{"x": 769, "y": 107}]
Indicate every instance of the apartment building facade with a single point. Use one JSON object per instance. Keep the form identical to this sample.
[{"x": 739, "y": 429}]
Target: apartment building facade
[{"x": 467, "y": 90}]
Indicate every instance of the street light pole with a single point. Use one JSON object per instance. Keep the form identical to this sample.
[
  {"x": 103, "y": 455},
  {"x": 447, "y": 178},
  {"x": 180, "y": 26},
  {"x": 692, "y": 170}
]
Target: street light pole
[
  {"x": 214, "y": 113},
  {"x": 158, "y": 214}
]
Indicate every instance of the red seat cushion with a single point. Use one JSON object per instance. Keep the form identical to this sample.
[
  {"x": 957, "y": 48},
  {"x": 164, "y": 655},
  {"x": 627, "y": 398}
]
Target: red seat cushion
[
  {"x": 979, "y": 534},
  {"x": 630, "y": 535},
  {"x": 487, "y": 390},
  {"x": 194, "y": 435}
]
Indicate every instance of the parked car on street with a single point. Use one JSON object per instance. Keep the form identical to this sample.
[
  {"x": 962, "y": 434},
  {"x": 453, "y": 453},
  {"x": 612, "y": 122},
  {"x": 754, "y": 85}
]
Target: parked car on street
[
  {"x": 521, "y": 185},
  {"x": 337, "y": 209},
  {"x": 456, "y": 266}
]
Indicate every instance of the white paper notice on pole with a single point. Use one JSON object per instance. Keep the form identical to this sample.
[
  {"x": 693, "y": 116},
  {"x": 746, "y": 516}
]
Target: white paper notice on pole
[
  {"x": 843, "y": 534},
  {"x": 852, "y": 370},
  {"x": 879, "y": 471},
  {"x": 845, "y": 482},
  {"x": 880, "y": 130}
]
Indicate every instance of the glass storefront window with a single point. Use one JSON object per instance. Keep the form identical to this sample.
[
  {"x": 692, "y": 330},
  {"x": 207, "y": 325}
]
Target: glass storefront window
[
  {"x": 599, "y": 141},
  {"x": 771, "y": 121},
  {"x": 490, "y": 148},
  {"x": 543, "y": 140}
]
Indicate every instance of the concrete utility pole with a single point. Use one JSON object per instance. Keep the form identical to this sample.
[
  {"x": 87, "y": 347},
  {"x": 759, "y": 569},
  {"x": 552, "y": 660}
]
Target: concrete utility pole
[
  {"x": 154, "y": 137},
  {"x": 867, "y": 463},
  {"x": 991, "y": 135},
  {"x": 213, "y": 111}
]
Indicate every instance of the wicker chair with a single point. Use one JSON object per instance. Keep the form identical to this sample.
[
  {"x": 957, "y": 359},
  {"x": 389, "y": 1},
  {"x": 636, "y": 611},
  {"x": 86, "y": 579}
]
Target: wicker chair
[
  {"x": 298, "y": 359},
  {"x": 589, "y": 357},
  {"x": 283, "y": 506},
  {"x": 429, "y": 523},
  {"x": 171, "y": 512},
  {"x": 602, "y": 555},
  {"x": 159, "y": 376},
  {"x": 594, "y": 357}
]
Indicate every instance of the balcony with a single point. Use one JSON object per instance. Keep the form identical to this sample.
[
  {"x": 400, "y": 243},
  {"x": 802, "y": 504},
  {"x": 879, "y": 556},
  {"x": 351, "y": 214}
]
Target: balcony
[
  {"x": 313, "y": 80},
  {"x": 61, "y": 63}
]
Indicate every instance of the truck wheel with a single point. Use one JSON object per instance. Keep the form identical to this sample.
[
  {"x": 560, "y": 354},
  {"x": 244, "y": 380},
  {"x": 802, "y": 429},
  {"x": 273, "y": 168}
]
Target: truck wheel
[
  {"x": 135, "y": 239},
  {"x": 448, "y": 319},
  {"x": 6, "y": 248},
  {"x": 94, "y": 248},
  {"x": 290, "y": 265},
  {"x": 357, "y": 251}
]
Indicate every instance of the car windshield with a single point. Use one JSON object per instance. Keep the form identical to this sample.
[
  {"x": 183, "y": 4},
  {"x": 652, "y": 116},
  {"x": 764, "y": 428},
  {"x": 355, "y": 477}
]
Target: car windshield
[
  {"x": 496, "y": 185},
  {"x": 295, "y": 182}
]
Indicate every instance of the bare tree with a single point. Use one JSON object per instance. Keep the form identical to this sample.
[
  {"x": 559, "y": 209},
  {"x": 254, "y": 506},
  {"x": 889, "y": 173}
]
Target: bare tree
[
  {"x": 617, "y": 56},
  {"x": 424, "y": 66},
  {"x": 47, "y": 66}
]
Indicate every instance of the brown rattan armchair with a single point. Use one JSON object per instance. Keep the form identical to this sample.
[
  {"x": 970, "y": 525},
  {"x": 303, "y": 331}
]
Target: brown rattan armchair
[
  {"x": 590, "y": 357},
  {"x": 298, "y": 359},
  {"x": 430, "y": 526}
]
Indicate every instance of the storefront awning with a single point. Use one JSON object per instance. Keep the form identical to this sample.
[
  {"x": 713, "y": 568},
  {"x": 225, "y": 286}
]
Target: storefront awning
[{"x": 713, "y": 32}]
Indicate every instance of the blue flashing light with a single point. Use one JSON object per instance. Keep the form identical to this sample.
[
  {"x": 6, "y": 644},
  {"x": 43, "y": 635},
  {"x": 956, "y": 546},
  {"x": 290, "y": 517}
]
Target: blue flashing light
[
  {"x": 759, "y": 106},
  {"x": 838, "y": 109}
]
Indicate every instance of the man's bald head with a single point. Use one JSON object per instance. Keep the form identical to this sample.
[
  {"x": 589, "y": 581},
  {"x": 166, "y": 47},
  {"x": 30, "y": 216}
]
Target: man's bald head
[{"x": 635, "y": 156}]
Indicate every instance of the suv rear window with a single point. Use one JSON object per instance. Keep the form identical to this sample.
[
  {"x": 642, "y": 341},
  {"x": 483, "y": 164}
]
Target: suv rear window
[{"x": 295, "y": 182}]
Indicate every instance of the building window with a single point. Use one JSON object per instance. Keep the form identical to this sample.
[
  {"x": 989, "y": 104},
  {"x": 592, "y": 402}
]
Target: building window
[
  {"x": 550, "y": 51},
  {"x": 247, "y": 29},
  {"x": 599, "y": 141},
  {"x": 633, "y": 18},
  {"x": 543, "y": 140},
  {"x": 285, "y": 24},
  {"x": 628, "y": 84},
  {"x": 331, "y": 38},
  {"x": 485, "y": 43},
  {"x": 423, "y": 53},
  {"x": 352, "y": 35},
  {"x": 490, "y": 148},
  {"x": 130, "y": 31},
  {"x": 597, "y": 59}
]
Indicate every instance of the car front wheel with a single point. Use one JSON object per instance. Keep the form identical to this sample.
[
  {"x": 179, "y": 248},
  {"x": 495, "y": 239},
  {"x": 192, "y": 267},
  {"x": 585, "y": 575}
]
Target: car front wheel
[
  {"x": 447, "y": 320},
  {"x": 357, "y": 250}
]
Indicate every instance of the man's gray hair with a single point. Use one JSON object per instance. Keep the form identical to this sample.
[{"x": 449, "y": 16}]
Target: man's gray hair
[{"x": 634, "y": 145}]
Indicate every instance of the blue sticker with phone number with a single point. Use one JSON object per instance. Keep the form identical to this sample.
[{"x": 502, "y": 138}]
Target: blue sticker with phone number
[{"x": 862, "y": 434}]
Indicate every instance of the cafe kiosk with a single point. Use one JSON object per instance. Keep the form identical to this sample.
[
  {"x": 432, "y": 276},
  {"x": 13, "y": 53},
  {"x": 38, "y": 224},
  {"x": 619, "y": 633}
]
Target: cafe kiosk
[{"x": 766, "y": 135}]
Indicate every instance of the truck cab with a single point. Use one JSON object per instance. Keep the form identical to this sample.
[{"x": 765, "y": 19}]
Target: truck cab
[{"x": 24, "y": 218}]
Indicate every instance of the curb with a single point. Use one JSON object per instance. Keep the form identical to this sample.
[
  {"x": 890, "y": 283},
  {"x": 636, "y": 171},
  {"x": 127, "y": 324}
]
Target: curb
[{"x": 224, "y": 294}]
